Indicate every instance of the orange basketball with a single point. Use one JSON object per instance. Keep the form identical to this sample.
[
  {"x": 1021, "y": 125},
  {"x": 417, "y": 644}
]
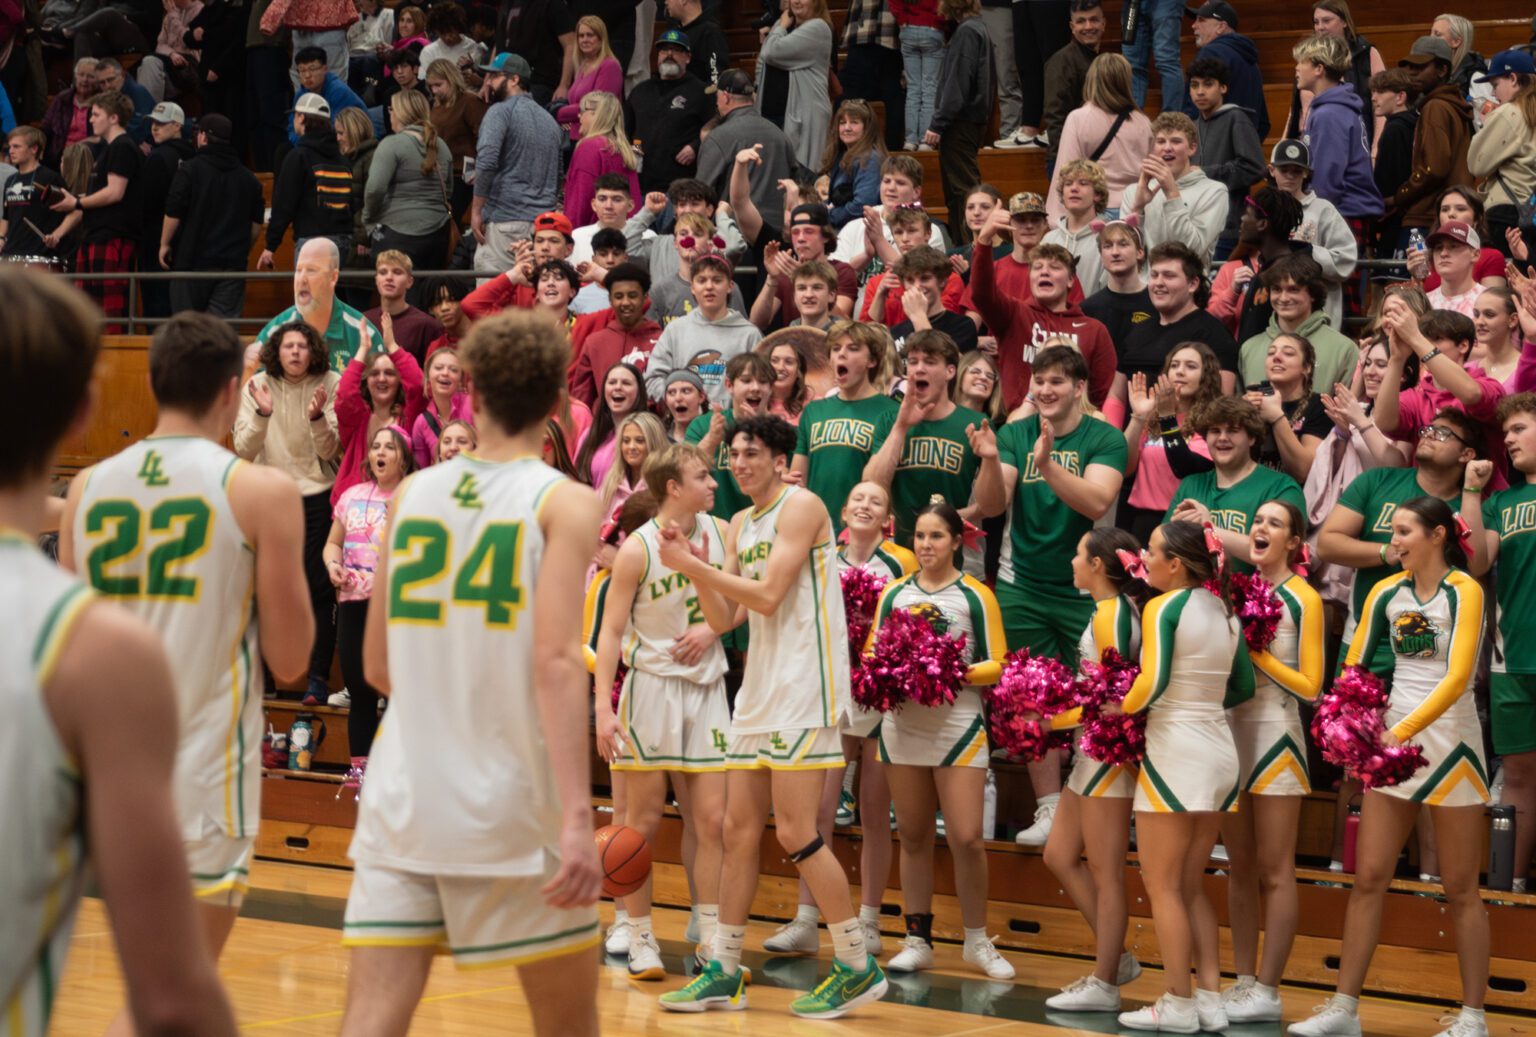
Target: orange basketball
[{"x": 625, "y": 858}]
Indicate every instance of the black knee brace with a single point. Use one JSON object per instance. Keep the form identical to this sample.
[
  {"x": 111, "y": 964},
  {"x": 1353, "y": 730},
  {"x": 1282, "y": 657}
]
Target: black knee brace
[{"x": 807, "y": 850}]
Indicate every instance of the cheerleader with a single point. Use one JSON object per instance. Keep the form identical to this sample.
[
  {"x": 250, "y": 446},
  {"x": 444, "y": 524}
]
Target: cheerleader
[
  {"x": 1272, "y": 759},
  {"x": 1193, "y": 667},
  {"x": 1431, "y": 617},
  {"x": 936, "y": 757},
  {"x": 1094, "y": 816},
  {"x": 866, "y": 514}
]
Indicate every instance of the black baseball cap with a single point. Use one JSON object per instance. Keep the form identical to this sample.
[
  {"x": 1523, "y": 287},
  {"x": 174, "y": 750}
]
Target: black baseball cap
[{"x": 1217, "y": 9}]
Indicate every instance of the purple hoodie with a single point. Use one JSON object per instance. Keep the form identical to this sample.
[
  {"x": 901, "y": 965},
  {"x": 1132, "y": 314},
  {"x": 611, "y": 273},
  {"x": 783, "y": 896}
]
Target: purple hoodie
[{"x": 1341, "y": 158}]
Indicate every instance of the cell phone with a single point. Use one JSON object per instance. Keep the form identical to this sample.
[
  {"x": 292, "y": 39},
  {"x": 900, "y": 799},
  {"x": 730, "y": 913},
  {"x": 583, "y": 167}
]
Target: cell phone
[{"x": 1262, "y": 387}]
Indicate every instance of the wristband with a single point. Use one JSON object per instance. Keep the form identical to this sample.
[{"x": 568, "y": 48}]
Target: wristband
[
  {"x": 1383, "y": 554},
  {"x": 1427, "y": 357}
]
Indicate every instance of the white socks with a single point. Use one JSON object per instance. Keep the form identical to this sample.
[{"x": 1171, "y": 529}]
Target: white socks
[
  {"x": 850, "y": 772},
  {"x": 848, "y": 943},
  {"x": 640, "y": 923},
  {"x": 869, "y": 913},
  {"x": 808, "y": 914},
  {"x": 727, "y": 947},
  {"x": 976, "y": 935},
  {"x": 1344, "y": 1001},
  {"x": 709, "y": 919}
]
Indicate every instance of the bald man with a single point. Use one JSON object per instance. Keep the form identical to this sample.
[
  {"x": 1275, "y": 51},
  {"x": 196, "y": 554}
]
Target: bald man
[{"x": 345, "y": 330}]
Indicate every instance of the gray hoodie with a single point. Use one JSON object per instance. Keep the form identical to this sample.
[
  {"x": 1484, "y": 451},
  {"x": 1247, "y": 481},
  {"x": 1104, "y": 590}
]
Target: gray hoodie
[
  {"x": 1084, "y": 246},
  {"x": 1333, "y": 246},
  {"x": 703, "y": 345},
  {"x": 1231, "y": 152},
  {"x": 1196, "y": 217}
]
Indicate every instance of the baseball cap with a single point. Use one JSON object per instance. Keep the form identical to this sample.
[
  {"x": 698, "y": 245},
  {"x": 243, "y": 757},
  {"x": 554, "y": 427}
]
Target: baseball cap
[
  {"x": 811, "y": 213},
  {"x": 1505, "y": 62},
  {"x": 1026, "y": 203},
  {"x": 166, "y": 112},
  {"x": 1456, "y": 230},
  {"x": 1217, "y": 9},
  {"x": 508, "y": 64},
  {"x": 1291, "y": 153},
  {"x": 218, "y": 127},
  {"x": 313, "y": 104},
  {"x": 735, "y": 81},
  {"x": 674, "y": 38},
  {"x": 1426, "y": 49},
  {"x": 553, "y": 221}
]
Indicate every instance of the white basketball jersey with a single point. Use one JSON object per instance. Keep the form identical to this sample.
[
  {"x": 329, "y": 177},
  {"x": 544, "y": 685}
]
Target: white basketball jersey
[
  {"x": 459, "y": 778},
  {"x": 666, "y": 606},
  {"x": 155, "y": 533},
  {"x": 797, "y": 666},
  {"x": 42, "y": 834}
]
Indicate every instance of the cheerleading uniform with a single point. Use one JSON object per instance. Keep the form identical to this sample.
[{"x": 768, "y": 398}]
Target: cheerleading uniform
[
  {"x": 1115, "y": 625},
  {"x": 1193, "y": 666},
  {"x": 890, "y": 561},
  {"x": 1434, "y": 646},
  {"x": 1270, "y": 735},
  {"x": 953, "y": 735}
]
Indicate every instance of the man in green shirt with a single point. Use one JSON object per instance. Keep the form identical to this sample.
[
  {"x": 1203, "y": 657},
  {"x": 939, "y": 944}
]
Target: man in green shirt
[
  {"x": 1358, "y": 533},
  {"x": 1055, "y": 473},
  {"x": 928, "y": 451},
  {"x": 346, "y": 331},
  {"x": 1228, "y": 496},
  {"x": 749, "y": 383},
  {"x": 839, "y": 434},
  {"x": 1504, "y": 531}
]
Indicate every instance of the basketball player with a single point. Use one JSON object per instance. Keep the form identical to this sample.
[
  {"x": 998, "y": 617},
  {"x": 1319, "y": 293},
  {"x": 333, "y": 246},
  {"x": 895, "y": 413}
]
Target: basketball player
[
  {"x": 208, "y": 550},
  {"x": 792, "y": 705},
  {"x": 474, "y": 831},
  {"x": 87, "y": 719},
  {"x": 672, "y": 715}
]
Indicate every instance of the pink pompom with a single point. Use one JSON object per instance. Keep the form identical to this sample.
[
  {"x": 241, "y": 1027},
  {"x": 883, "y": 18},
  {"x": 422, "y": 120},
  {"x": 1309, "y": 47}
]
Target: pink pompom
[
  {"x": 910, "y": 661},
  {"x": 1031, "y": 690},
  {"x": 1348, "y": 729},
  {"x": 1113, "y": 738},
  {"x": 861, "y": 596},
  {"x": 1259, "y": 609},
  {"x": 618, "y": 684}
]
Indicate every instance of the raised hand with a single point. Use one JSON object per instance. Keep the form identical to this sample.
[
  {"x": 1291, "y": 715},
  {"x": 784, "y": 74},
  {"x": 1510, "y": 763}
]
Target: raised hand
[
  {"x": 1167, "y": 397},
  {"x": 911, "y": 412},
  {"x": 316, "y": 403},
  {"x": 1043, "y": 446},
  {"x": 1143, "y": 405},
  {"x": 1477, "y": 474},
  {"x": 262, "y": 396},
  {"x": 983, "y": 440},
  {"x": 656, "y": 202},
  {"x": 750, "y": 156}
]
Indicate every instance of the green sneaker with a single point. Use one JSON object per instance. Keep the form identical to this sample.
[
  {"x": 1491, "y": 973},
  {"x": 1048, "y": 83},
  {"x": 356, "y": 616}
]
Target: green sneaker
[
  {"x": 841, "y": 992},
  {"x": 847, "y": 810},
  {"x": 711, "y": 988}
]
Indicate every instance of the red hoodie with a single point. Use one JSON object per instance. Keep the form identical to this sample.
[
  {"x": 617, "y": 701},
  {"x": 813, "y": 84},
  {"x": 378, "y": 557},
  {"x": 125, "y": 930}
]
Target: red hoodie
[
  {"x": 496, "y": 295},
  {"x": 606, "y": 346},
  {"x": 1021, "y": 327}
]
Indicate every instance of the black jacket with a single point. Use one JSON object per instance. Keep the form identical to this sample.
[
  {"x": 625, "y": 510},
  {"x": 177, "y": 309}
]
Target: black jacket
[
  {"x": 223, "y": 42},
  {"x": 1394, "y": 154},
  {"x": 217, "y": 200},
  {"x": 665, "y": 115},
  {"x": 155, "y": 177},
  {"x": 312, "y": 192}
]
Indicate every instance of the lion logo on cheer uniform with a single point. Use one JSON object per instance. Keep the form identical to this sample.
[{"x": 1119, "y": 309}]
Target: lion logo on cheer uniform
[
  {"x": 1414, "y": 636},
  {"x": 936, "y": 617}
]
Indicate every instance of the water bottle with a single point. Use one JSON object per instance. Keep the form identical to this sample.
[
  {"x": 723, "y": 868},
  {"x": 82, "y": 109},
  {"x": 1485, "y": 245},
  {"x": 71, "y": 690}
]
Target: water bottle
[
  {"x": 1501, "y": 849},
  {"x": 1416, "y": 240},
  {"x": 989, "y": 807},
  {"x": 1351, "y": 832},
  {"x": 304, "y": 736},
  {"x": 1130, "y": 22}
]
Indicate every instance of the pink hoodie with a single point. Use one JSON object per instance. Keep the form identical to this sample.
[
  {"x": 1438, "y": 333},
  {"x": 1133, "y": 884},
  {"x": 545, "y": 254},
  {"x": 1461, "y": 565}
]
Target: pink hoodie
[{"x": 1085, "y": 128}]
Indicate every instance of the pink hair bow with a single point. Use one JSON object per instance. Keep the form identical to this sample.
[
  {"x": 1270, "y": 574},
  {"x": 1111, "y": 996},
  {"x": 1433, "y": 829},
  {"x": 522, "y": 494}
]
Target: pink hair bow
[
  {"x": 1213, "y": 545},
  {"x": 1464, "y": 535},
  {"x": 1303, "y": 561},
  {"x": 972, "y": 537},
  {"x": 1132, "y": 563}
]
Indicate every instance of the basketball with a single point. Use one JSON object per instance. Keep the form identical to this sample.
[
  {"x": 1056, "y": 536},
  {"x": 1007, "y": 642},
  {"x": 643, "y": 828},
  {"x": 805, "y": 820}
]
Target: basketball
[{"x": 625, "y": 857}]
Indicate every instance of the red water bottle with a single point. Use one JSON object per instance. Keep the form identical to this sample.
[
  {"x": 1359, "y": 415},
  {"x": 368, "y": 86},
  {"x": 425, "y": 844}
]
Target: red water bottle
[{"x": 1351, "y": 831}]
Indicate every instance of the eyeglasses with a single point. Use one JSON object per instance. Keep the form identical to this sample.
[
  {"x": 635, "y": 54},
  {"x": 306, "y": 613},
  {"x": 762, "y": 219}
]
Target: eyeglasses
[
  {"x": 688, "y": 241},
  {"x": 982, "y": 373},
  {"x": 1439, "y": 433}
]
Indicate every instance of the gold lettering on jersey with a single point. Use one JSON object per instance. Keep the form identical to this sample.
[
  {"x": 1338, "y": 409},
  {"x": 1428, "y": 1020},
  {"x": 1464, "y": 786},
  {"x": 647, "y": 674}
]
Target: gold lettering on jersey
[
  {"x": 848, "y": 432},
  {"x": 1067, "y": 459},
  {"x": 467, "y": 493},
  {"x": 667, "y": 584},
  {"x": 934, "y": 453},
  {"x": 1383, "y": 523},
  {"x": 1520, "y": 518},
  {"x": 1230, "y": 519},
  {"x": 151, "y": 472},
  {"x": 756, "y": 553}
]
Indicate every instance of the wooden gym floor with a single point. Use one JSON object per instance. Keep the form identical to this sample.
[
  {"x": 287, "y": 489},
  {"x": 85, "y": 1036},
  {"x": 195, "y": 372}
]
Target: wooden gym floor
[{"x": 286, "y": 972}]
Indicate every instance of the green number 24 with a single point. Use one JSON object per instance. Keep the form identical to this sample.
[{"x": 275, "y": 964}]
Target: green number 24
[
  {"x": 487, "y": 578},
  {"x": 185, "y": 520}
]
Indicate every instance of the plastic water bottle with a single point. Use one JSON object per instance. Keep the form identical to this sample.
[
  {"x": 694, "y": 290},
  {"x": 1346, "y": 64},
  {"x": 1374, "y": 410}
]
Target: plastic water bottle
[
  {"x": 989, "y": 807},
  {"x": 1416, "y": 240},
  {"x": 1501, "y": 849}
]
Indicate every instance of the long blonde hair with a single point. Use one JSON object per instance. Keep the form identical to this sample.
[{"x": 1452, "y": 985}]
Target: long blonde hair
[
  {"x": 411, "y": 109},
  {"x": 655, "y": 440},
  {"x": 1462, "y": 29},
  {"x": 604, "y": 51},
  {"x": 608, "y": 123},
  {"x": 1108, "y": 84},
  {"x": 358, "y": 126},
  {"x": 449, "y": 73}
]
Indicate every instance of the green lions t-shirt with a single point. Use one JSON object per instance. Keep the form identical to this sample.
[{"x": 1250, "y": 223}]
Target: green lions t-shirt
[
  {"x": 936, "y": 458},
  {"x": 1511, "y": 514},
  {"x": 728, "y": 496},
  {"x": 1233, "y": 507},
  {"x": 1043, "y": 530},
  {"x": 837, "y": 438},
  {"x": 347, "y": 335}
]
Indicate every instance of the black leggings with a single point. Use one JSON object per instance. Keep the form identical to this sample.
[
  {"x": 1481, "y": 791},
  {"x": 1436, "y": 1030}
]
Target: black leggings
[
  {"x": 322, "y": 595},
  {"x": 363, "y": 716},
  {"x": 1040, "y": 29}
]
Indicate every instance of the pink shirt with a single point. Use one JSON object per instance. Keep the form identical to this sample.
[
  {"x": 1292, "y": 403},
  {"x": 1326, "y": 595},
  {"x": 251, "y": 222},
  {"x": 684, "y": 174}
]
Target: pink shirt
[
  {"x": 424, "y": 437},
  {"x": 1417, "y": 407},
  {"x": 607, "y": 77},
  {"x": 1084, "y": 129},
  {"x": 592, "y": 158},
  {"x": 1155, "y": 482},
  {"x": 361, "y": 511}
]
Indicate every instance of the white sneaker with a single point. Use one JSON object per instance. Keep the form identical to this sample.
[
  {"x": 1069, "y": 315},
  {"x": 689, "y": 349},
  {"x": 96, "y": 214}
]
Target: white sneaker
[
  {"x": 1463, "y": 1025},
  {"x": 616, "y": 941},
  {"x": 1219, "y": 853},
  {"x": 794, "y": 937},
  {"x": 1128, "y": 970},
  {"x": 1209, "y": 1010},
  {"x": 983, "y": 954},
  {"x": 1328, "y": 1020},
  {"x": 1037, "y": 833},
  {"x": 871, "y": 932},
  {"x": 1337, "y": 867},
  {"x": 1042, "y": 142},
  {"x": 1168, "y": 1014},
  {"x": 915, "y": 955},
  {"x": 938, "y": 824},
  {"x": 1236, "y": 989},
  {"x": 341, "y": 699},
  {"x": 1089, "y": 994},
  {"x": 1013, "y": 140},
  {"x": 645, "y": 957},
  {"x": 1252, "y": 1005}
]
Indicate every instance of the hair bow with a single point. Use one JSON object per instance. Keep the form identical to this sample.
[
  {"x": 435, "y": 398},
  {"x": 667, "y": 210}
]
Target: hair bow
[
  {"x": 972, "y": 536},
  {"x": 399, "y": 430},
  {"x": 1303, "y": 561},
  {"x": 1464, "y": 535},
  {"x": 1213, "y": 545},
  {"x": 1132, "y": 563}
]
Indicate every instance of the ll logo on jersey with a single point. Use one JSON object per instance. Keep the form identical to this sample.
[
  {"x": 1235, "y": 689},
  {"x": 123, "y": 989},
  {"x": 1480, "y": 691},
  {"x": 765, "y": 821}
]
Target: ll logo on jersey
[
  {"x": 467, "y": 493},
  {"x": 151, "y": 472}
]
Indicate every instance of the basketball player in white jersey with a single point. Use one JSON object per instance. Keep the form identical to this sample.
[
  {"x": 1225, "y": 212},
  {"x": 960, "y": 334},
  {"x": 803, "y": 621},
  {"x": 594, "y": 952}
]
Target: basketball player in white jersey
[
  {"x": 781, "y": 577},
  {"x": 87, "y": 718},
  {"x": 673, "y": 716},
  {"x": 474, "y": 831},
  {"x": 209, "y": 551}
]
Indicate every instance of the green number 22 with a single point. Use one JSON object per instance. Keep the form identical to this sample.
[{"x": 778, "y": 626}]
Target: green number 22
[
  {"x": 487, "y": 578},
  {"x": 119, "y": 528}
]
